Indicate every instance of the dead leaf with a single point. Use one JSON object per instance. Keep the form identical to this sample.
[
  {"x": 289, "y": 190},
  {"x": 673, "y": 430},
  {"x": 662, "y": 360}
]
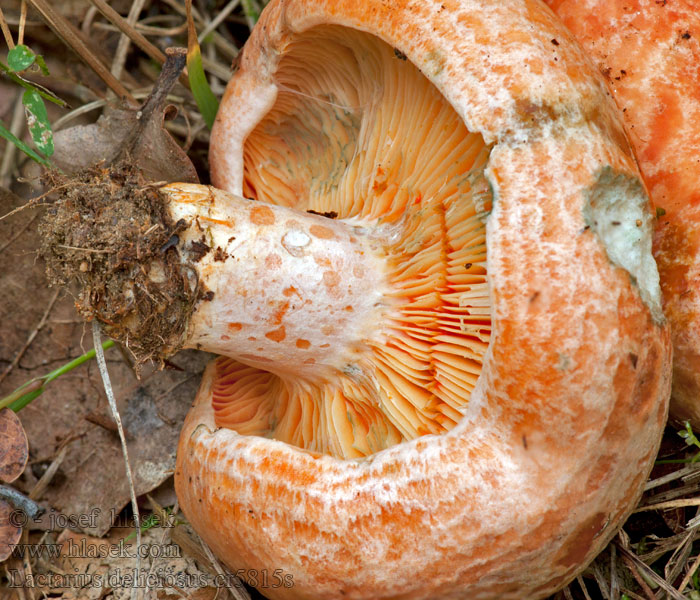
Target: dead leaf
[
  {"x": 9, "y": 531},
  {"x": 137, "y": 133},
  {"x": 14, "y": 448}
]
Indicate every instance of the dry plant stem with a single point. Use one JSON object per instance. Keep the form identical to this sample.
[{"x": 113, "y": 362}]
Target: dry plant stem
[
  {"x": 124, "y": 41},
  {"x": 654, "y": 483},
  {"x": 679, "y": 558},
  {"x": 225, "y": 12},
  {"x": 18, "y": 234},
  {"x": 670, "y": 504},
  {"x": 46, "y": 478},
  {"x": 614, "y": 583},
  {"x": 649, "y": 572},
  {"x": 221, "y": 42},
  {"x": 128, "y": 29},
  {"x": 237, "y": 591},
  {"x": 174, "y": 64},
  {"x": 582, "y": 585},
  {"x": 31, "y": 337},
  {"x": 638, "y": 578},
  {"x": 16, "y": 126},
  {"x": 22, "y": 21},
  {"x": 99, "y": 353},
  {"x": 72, "y": 38},
  {"x": 689, "y": 575},
  {"x": 6, "y": 31}
]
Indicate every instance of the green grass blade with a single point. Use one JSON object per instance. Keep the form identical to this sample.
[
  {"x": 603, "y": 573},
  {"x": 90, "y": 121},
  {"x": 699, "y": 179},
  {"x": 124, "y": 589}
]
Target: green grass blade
[
  {"x": 206, "y": 100},
  {"x": 10, "y": 137},
  {"x": 19, "y": 399}
]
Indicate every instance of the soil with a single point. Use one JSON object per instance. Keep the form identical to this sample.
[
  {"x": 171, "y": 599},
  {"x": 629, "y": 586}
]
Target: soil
[{"x": 110, "y": 231}]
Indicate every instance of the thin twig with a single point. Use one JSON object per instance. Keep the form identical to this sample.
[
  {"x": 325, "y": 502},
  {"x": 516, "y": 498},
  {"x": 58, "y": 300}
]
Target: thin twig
[
  {"x": 649, "y": 572},
  {"x": 31, "y": 337},
  {"x": 93, "y": 250},
  {"x": 22, "y": 21},
  {"x": 638, "y": 578},
  {"x": 237, "y": 590},
  {"x": 124, "y": 41},
  {"x": 671, "y": 504},
  {"x": 72, "y": 38},
  {"x": 129, "y": 30},
  {"x": 102, "y": 364},
  {"x": 582, "y": 585},
  {"x": 88, "y": 19},
  {"x": 225, "y": 12},
  {"x": 6, "y": 31},
  {"x": 689, "y": 575},
  {"x": 18, "y": 234},
  {"x": 175, "y": 62},
  {"x": 16, "y": 127},
  {"x": 43, "y": 483}
]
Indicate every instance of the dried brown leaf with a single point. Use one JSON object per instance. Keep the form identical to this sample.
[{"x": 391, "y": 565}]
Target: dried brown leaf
[
  {"x": 135, "y": 134},
  {"x": 9, "y": 532},
  {"x": 14, "y": 448}
]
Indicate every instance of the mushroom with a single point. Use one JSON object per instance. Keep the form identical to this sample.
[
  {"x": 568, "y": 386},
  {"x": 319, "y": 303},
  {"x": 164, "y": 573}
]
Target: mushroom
[
  {"x": 649, "y": 51},
  {"x": 444, "y": 369}
]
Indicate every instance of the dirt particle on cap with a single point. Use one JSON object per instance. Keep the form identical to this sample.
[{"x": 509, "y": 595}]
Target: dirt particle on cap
[
  {"x": 220, "y": 255},
  {"x": 198, "y": 249}
]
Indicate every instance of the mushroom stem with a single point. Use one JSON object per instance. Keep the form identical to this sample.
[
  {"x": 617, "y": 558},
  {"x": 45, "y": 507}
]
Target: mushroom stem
[{"x": 288, "y": 291}]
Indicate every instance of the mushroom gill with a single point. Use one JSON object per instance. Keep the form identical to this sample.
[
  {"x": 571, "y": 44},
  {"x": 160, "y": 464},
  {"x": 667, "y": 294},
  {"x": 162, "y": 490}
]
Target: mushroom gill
[{"x": 358, "y": 133}]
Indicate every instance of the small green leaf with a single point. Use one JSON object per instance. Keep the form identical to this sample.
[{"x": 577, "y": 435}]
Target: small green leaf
[
  {"x": 38, "y": 121},
  {"x": 20, "y": 58},
  {"x": 10, "y": 137},
  {"x": 42, "y": 65}
]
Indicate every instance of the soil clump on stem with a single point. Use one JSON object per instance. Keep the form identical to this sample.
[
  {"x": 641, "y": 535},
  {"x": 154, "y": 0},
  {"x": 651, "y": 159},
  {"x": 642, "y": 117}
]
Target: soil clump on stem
[{"x": 110, "y": 231}]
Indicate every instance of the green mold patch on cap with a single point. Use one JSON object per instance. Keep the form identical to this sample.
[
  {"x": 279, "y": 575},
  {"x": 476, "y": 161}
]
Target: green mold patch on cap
[{"x": 617, "y": 211}]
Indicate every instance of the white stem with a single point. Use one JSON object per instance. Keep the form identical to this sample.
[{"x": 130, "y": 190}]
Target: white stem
[{"x": 290, "y": 291}]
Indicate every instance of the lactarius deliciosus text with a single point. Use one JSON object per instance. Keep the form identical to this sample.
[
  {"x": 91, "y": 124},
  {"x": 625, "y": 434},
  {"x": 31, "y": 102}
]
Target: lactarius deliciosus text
[
  {"x": 450, "y": 379},
  {"x": 650, "y": 51}
]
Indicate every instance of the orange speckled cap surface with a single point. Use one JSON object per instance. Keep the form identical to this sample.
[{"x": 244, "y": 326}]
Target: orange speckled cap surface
[{"x": 649, "y": 51}]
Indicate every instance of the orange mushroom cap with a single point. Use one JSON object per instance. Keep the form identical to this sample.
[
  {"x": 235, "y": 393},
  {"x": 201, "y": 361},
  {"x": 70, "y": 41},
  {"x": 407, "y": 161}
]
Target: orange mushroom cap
[
  {"x": 649, "y": 51},
  {"x": 455, "y": 389}
]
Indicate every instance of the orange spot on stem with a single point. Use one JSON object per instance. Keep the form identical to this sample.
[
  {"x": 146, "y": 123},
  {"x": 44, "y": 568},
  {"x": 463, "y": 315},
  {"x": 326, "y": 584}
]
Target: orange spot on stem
[
  {"x": 277, "y": 335},
  {"x": 262, "y": 215},
  {"x": 321, "y": 232}
]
